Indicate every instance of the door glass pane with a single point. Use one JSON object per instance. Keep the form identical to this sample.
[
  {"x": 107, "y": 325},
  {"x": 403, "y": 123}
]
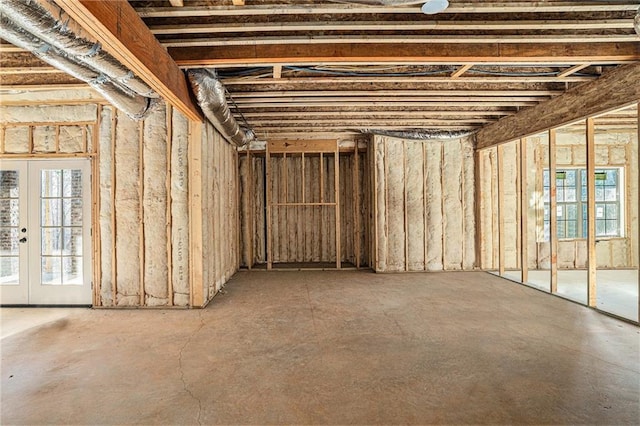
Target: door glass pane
[
  {"x": 72, "y": 270},
  {"x": 61, "y": 213},
  {"x": 9, "y": 223},
  {"x": 51, "y": 270}
]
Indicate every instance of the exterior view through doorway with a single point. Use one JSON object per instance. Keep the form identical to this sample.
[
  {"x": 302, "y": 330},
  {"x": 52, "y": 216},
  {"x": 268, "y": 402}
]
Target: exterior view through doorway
[{"x": 45, "y": 232}]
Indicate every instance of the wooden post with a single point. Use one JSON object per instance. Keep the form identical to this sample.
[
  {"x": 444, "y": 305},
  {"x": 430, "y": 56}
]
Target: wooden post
[
  {"x": 501, "y": 209},
  {"x": 404, "y": 201},
  {"x": 195, "y": 214},
  {"x": 479, "y": 179},
  {"x": 524, "y": 213},
  {"x": 591, "y": 214},
  {"x": 321, "y": 178},
  {"x": 267, "y": 184},
  {"x": 169, "y": 215},
  {"x": 114, "y": 228},
  {"x": 336, "y": 184},
  {"x": 425, "y": 222},
  {"x": 374, "y": 173},
  {"x": 141, "y": 250},
  {"x": 250, "y": 208},
  {"x": 356, "y": 210},
  {"x": 95, "y": 199},
  {"x": 518, "y": 204},
  {"x": 553, "y": 214},
  {"x": 638, "y": 227}
]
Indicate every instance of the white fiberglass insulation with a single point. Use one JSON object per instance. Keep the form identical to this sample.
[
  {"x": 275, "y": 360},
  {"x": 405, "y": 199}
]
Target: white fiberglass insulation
[
  {"x": 127, "y": 211},
  {"x": 424, "y": 203},
  {"x": 155, "y": 207},
  {"x": 106, "y": 208},
  {"x": 48, "y": 113},
  {"x": 179, "y": 210}
]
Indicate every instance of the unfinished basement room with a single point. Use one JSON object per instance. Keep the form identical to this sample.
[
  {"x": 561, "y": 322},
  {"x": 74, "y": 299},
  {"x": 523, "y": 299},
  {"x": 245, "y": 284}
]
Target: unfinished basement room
[{"x": 319, "y": 212}]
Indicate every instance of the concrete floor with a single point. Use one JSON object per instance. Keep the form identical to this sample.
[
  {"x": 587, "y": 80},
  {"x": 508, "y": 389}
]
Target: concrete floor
[{"x": 329, "y": 348}]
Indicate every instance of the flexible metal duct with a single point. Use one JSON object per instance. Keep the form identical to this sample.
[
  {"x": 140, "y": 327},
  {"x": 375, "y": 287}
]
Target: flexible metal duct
[
  {"x": 636, "y": 22},
  {"x": 135, "y": 106},
  {"x": 420, "y": 134},
  {"x": 51, "y": 24},
  {"x": 211, "y": 98}
]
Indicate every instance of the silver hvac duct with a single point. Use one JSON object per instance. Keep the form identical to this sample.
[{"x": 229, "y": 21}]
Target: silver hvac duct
[
  {"x": 135, "y": 106},
  {"x": 51, "y": 24},
  {"x": 636, "y": 22},
  {"x": 211, "y": 97},
  {"x": 420, "y": 134}
]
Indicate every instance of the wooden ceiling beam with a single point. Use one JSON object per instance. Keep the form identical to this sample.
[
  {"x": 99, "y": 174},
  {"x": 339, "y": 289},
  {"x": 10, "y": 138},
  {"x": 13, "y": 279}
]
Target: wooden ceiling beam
[
  {"x": 394, "y": 93},
  {"x": 404, "y": 39},
  {"x": 367, "y": 113},
  {"x": 392, "y": 104},
  {"x": 304, "y": 81},
  {"x": 611, "y": 91},
  {"x": 177, "y": 3},
  {"x": 595, "y": 24},
  {"x": 355, "y": 53},
  {"x": 120, "y": 30},
  {"x": 455, "y": 8}
]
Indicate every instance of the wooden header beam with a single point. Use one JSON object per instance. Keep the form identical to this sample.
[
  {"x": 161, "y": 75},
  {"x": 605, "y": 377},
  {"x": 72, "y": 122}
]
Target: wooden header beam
[
  {"x": 611, "y": 91},
  {"x": 117, "y": 26},
  {"x": 458, "y": 53}
]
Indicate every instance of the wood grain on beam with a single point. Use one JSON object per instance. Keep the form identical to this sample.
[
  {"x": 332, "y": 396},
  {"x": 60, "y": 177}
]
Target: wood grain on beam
[
  {"x": 394, "y": 39},
  {"x": 494, "y": 53},
  {"x": 417, "y": 80},
  {"x": 612, "y": 90},
  {"x": 214, "y": 28},
  {"x": 116, "y": 25},
  {"x": 238, "y": 2},
  {"x": 457, "y": 73},
  {"x": 309, "y": 9}
]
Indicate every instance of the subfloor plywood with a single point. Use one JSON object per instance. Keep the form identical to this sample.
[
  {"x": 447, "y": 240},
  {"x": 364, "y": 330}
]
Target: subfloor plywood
[{"x": 331, "y": 348}]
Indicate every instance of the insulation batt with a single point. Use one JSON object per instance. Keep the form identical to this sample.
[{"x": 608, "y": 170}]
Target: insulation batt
[
  {"x": 155, "y": 207},
  {"x": 72, "y": 139},
  {"x": 48, "y": 113},
  {"x": 16, "y": 140},
  {"x": 128, "y": 211},
  {"x": 44, "y": 139},
  {"x": 106, "y": 209},
  {"x": 179, "y": 210}
]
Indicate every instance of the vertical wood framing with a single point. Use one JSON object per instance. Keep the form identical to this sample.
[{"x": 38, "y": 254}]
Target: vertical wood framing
[
  {"x": 479, "y": 178},
  {"x": 95, "y": 200},
  {"x": 30, "y": 136},
  {"x": 591, "y": 214},
  {"x": 386, "y": 200},
  {"x": 638, "y": 207},
  {"x": 321, "y": 178},
  {"x": 251, "y": 219},
  {"x": 195, "y": 214},
  {"x": 424, "y": 202},
  {"x": 404, "y": 208},
  {"x": 141, "y": 210},
  {"x": 553, "y": 214},
  {"x": 518, "y": 204},
  {"x": 356, "y": 210},
  {"x": 268, "y": 189},
  {"x": 501, "y": 212},
  {"x": 374, "y": 191},
  {"x": 114, "y": 264},
  {"x": 524, "y": 211},
  {"x": 336, "y": 188},
  {"x": 169, "y": 216}
]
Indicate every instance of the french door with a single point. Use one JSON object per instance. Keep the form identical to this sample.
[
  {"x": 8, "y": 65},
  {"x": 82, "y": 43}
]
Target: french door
[{"x": 45, "y": 232}]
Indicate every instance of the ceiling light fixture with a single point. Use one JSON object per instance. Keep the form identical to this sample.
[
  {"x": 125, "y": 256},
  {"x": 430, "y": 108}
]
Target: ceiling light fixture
[{"x": 431, "y": 7}]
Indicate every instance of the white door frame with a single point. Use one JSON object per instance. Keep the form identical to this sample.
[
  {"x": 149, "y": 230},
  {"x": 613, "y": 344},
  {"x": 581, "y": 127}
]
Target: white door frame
[{"x": 38, "y": 293}]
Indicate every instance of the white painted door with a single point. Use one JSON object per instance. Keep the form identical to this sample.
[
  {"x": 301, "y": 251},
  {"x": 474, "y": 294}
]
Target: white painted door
[{"x": 48, "y": 235}]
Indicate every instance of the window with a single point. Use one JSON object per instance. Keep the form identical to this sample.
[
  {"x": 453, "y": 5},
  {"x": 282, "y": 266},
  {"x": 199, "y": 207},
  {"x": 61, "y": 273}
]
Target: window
[{"x": 571, "y": 200}]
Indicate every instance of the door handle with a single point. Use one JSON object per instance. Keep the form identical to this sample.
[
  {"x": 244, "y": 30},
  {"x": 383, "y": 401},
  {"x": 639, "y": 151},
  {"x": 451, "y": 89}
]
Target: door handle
[{"x": 23, "y": 240}]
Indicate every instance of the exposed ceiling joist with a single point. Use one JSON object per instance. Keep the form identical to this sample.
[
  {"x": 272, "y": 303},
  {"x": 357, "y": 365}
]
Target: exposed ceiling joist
[
  {"x": 121, "y": 31},
  {"x": 540, "y": 25},
  {"x": 618, "y": 87},
  {"x": 305, "y": 81},
  {"x": 321, "y": 9},
  {"x": 402, "y": 53}
]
